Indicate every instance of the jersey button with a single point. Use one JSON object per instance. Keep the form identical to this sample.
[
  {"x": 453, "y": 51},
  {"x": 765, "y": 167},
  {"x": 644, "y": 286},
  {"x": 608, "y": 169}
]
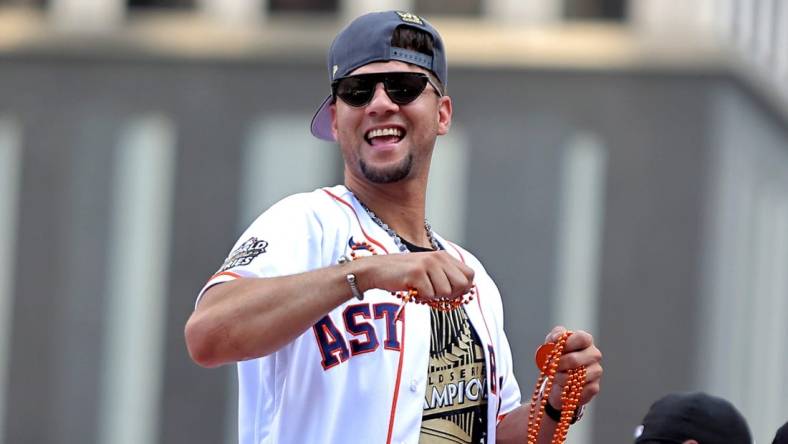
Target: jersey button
[{"x": 414, "y": 385}]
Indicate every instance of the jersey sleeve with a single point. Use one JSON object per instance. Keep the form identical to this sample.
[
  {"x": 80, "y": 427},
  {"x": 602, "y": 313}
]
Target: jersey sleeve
[{"x": 286, "y": 239}]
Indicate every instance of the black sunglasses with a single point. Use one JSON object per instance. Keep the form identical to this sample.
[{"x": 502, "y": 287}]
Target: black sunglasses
[{"x": 401, "y": 87}]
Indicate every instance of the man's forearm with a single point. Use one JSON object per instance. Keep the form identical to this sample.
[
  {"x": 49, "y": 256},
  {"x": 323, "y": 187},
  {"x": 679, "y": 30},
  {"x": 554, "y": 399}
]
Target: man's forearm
[{"x": 253, "y": 317}]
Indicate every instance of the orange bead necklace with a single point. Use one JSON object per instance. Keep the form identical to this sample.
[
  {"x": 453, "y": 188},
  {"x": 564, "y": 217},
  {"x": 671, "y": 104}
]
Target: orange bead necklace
[
  {"x": 438, "y": 303},
  {"x": 411, "y": 294},
  {"x": 547, "y": 357}
]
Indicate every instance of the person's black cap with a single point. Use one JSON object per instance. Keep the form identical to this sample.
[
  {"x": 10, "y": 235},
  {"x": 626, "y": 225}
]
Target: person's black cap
[
  {"x": 782, "y": 435},
  {"x": 681, "y": 416}
]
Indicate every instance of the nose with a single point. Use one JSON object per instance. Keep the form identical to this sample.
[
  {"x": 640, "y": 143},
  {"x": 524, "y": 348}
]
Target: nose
[{"x": 381, "y": 104}]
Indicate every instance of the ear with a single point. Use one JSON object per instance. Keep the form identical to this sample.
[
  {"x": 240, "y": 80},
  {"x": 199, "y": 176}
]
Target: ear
[
  {"x": 333, "y": 110},
  {"x": 444, "y": 115}
]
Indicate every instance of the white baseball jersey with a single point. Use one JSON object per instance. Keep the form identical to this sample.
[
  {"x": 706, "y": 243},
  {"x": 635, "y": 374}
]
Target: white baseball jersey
[{"x": 359, "y": 374}]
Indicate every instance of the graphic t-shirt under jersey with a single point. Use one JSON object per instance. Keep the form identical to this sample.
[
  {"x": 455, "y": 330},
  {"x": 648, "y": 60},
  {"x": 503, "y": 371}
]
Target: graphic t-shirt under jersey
[{"x": 455, "y": 402}]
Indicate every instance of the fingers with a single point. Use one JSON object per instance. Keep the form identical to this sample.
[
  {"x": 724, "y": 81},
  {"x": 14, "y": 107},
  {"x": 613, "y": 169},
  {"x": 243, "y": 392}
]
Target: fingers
[
  {"x": 579, "y": 351},
  {"x": 590, "y": 389},
  {"x": 461, "y": 280},
  {"x": 593, "y": 374},
  {"x": 421, "y": 281},
  {"x": 586, "y": 357},
  {"x": 440, "y": 283},
  {"x": 443, "y": 275},
  {"x": 464, "y": 269},
  {"x": 579, "y": 340},
  {"x": 555, "y": 333}
]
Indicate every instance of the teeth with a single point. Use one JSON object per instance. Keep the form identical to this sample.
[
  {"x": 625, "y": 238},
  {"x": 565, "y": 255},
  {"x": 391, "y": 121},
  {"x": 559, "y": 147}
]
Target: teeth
[{"x": 384, "y": 132}]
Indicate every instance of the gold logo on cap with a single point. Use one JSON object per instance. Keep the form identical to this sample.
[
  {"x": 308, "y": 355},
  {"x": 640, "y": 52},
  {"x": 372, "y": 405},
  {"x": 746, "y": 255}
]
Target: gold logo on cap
[
  {"x": 334, "y": 71},
  {"x": 410, "y": 18}
]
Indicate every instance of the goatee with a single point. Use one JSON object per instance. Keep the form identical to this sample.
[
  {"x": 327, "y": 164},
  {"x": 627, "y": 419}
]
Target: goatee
[{"x": 387, "y": 175}]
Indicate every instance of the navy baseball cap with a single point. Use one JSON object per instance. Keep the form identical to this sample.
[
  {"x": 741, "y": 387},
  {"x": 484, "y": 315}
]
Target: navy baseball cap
[
  {"x": 681, "y": 416},
  {"x": 367, "y": 39}
]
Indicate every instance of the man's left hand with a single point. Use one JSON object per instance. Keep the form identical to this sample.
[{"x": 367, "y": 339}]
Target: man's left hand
[{"x": 578, "y": 351}]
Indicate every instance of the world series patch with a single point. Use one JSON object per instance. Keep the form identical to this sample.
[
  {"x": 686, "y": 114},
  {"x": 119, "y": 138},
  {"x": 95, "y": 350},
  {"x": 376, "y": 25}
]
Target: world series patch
[{"x": 244, "y": 254}]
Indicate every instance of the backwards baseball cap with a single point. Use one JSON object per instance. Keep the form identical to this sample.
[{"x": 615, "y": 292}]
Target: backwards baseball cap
[
  {"x": 681, "y": 416},
  {"x": 367, "y": 39}
]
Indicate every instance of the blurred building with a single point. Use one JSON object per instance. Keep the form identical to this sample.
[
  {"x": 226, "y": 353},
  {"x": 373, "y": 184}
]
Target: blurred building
[{"x": 619, "y": 167}]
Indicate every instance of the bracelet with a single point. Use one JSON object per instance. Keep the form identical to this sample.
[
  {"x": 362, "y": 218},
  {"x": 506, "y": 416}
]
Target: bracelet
[
  {"x": 351, "y": 281},
  {"x": 555, "y": 414}
]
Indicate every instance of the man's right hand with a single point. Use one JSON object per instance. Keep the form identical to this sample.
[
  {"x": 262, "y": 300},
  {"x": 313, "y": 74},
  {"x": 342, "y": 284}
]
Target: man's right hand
[{"x": 432, "y": 274}]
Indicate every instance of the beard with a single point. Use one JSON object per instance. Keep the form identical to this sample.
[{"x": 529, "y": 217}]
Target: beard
[{"x": 390, "y": 174}]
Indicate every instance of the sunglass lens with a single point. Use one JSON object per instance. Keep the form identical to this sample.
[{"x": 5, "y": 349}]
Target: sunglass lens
[
  {"x": 355, "y": 91},
  {"x": 402, "y": 88},
  {"x": 405, "y": 88}
]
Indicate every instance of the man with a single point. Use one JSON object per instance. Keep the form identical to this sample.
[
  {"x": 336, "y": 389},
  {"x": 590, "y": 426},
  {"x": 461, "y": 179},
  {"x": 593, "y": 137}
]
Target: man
[
  {"x": 326, "y": 353},
  {"x": 693, "y": 418}
]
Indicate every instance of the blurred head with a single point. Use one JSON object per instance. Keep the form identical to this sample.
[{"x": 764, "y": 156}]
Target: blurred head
[
  {"x": 781, "y": 437},
  {"x": 692, "y": 418},
  {"x": 387, "y": 104}
]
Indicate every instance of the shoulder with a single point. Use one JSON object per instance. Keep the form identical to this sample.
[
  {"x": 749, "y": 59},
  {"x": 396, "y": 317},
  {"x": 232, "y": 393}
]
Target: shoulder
[
  {"x": 309, "y": 208},
  {"x": 314, "y": 202}
]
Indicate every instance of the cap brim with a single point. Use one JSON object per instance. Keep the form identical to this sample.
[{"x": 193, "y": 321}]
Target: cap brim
[{"x": 321, "y": 122}]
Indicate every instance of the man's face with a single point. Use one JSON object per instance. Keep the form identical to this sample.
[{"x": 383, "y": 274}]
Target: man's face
[{"x": 384, "y": 142}]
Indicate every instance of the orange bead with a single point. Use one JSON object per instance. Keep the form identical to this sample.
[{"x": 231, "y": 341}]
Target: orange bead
[{"x": 570, "y": 395}]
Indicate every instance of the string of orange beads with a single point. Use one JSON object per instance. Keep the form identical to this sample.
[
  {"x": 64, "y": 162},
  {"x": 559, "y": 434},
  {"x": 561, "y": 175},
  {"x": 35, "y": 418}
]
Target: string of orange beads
[
  {"x": 549, "y": 355},
  {"x": 439, "y": 302},
  {"x": 411, "y": 294}
]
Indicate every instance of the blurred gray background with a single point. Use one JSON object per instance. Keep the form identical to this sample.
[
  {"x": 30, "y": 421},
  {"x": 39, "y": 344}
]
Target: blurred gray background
[{"x": 618, "y": 166}]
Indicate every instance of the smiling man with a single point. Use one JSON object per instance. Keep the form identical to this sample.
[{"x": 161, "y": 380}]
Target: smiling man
[{"x": 350, "y": 319}]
